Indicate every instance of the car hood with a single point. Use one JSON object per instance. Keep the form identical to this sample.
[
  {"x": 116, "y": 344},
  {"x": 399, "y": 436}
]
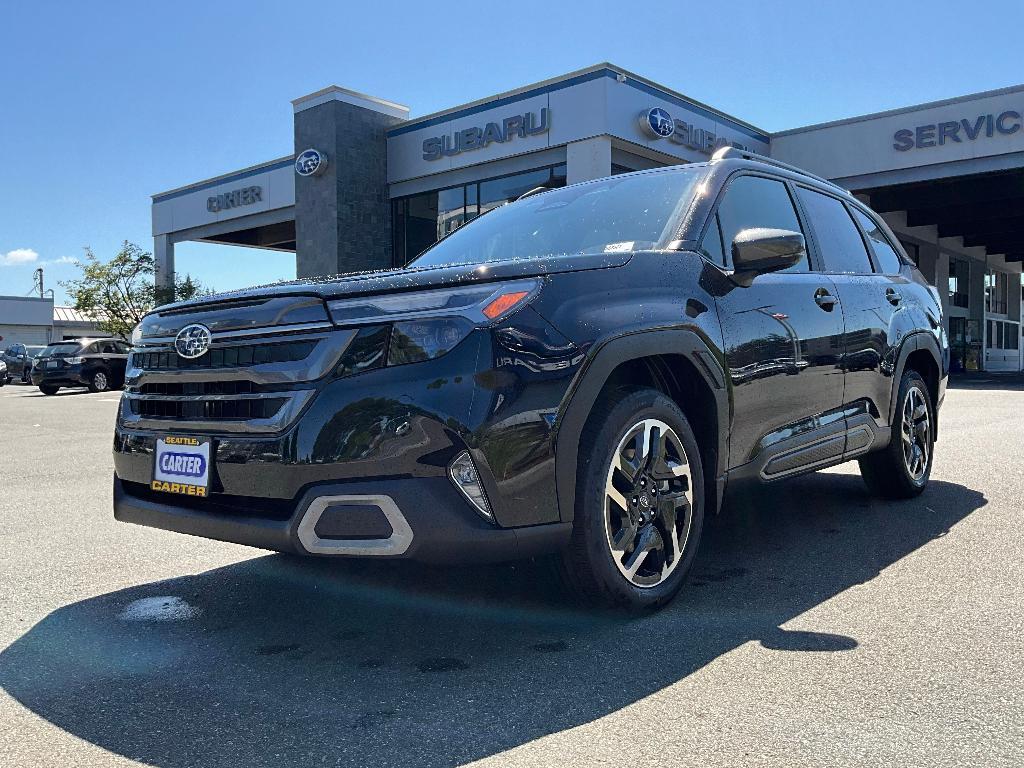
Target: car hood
[
  {"x": 301, "y": 302},
  {"x": 386, "y": 281}
]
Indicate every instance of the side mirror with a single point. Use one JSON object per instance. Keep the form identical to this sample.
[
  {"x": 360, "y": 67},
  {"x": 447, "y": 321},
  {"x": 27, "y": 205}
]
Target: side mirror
[{"x": 758, "y": 251}]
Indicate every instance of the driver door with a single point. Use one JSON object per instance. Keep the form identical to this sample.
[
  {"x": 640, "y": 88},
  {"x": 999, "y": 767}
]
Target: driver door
[{"x": 783, "y": 343}]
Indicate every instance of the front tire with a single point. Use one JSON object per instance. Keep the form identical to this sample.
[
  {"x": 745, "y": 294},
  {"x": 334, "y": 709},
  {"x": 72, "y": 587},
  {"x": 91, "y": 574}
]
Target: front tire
[
  {"x": 48, "y": 389},
  {"x": 639, "y": 503},
  {"x": 99, "y": 381},
  {"x": 902, "y": 469}
]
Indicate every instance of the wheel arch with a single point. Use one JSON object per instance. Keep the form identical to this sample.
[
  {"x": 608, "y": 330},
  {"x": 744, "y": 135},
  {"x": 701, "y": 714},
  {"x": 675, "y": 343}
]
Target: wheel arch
[
  {"x": 919, "y": 352},
  {"x": 679, "y": 363}
]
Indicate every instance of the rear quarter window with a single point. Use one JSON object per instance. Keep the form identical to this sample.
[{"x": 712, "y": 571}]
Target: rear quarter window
[{"x": 888, "y": 259}]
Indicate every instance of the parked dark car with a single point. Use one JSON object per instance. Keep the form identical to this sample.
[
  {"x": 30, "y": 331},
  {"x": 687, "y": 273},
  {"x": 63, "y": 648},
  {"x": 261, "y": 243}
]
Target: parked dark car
[
  {"x": 583, "y": 372},
  {"x": 18, "y": 358},
  {"x": 98, "y": 364}
]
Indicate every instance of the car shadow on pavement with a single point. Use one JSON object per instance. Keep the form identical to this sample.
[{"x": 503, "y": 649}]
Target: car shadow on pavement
[
  {"x": 64, "y": 393},
  {"x": 280, "y": 661}
]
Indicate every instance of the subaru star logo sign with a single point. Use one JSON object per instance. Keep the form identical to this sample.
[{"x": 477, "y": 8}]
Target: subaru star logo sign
[
  {"x": 192, "y": 341},
  {"x": 658, "y": 123},
  {"x": 310, "y": 163}
]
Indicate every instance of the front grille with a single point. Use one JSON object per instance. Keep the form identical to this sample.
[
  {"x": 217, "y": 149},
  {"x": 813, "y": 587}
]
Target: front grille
[
  {"x": 177, "y": 388},
  {"x": 225, "y": 357},
  {"x": 262, "y": 408}
]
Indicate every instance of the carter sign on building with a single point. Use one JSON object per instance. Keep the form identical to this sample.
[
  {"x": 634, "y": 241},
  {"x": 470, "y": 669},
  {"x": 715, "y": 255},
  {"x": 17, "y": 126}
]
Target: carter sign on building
[{"x": 234, "y": 199}]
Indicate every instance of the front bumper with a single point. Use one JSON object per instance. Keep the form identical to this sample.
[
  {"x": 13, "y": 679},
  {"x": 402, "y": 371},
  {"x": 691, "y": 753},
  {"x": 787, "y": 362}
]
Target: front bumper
[{"x": 442, "y": 528}]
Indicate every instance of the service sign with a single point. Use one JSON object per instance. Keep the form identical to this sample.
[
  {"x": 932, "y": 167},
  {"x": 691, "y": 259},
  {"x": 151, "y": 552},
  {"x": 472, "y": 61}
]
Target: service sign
[{"x": 182, "y": 465}]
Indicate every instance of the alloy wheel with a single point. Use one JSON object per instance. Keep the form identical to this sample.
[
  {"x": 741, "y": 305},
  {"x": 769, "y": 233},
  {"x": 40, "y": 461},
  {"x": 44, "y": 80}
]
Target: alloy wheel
[
  {"x": 916, "y": 432},
  {"x": 99, "y": 381},
  {"x": 648, "y": 503}
]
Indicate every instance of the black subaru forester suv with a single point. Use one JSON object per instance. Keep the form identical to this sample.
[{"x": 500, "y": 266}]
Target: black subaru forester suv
[{"x": 582, "y": 372}]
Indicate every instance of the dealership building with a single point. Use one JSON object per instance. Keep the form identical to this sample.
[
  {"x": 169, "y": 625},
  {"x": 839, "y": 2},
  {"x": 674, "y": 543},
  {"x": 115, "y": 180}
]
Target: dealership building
[{"x": 369, "y": 187}]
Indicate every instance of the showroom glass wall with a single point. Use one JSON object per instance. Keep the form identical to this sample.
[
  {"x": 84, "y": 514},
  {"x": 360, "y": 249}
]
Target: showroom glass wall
[{"x": 419, "y": 221}]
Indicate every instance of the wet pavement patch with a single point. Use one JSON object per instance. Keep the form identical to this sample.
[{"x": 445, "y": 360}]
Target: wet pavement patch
[{"x": 166, "y": 608}]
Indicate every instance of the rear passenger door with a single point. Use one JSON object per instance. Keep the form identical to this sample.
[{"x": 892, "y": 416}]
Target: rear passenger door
[
  {"x": 870, "y": 302},
  {"x": 782, "y": 340}
]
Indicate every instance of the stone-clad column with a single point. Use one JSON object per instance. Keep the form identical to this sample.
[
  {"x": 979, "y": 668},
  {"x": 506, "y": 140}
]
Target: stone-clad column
[
  {"x": 342, "y": 213},
  {"x": 163, "y": 256}
]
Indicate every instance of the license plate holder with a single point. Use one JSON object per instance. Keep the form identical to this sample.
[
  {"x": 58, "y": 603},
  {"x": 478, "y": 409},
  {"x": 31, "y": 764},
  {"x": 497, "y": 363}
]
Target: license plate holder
[{"x": 182, "y": 465}]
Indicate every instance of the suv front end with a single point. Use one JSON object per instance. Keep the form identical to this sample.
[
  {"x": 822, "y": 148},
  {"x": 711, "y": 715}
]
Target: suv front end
[{"x": 355, "y": 425}]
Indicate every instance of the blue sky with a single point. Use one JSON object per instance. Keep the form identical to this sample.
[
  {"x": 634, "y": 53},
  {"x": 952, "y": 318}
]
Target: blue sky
[{"x": 103, "y": 104}]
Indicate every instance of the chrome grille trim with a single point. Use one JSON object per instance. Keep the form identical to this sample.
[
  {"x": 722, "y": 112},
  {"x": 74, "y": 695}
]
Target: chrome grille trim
[
  {"x": 268, "y": 330},
  {"x": 277, "y": 380}
]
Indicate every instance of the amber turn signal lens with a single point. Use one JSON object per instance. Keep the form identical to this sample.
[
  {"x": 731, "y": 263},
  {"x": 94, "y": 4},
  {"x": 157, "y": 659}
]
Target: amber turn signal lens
[{"x": 504, "y": 303}]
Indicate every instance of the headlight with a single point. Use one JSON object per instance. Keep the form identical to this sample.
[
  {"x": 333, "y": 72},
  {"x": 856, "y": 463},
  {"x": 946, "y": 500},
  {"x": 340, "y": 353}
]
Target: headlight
[
  {"x": 480, "y": 304},
  {"x": 416, "y": 340},
  {"x": 428, "y": 324}
]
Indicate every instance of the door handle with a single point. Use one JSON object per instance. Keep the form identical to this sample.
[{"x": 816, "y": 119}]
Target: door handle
[
  {"x": 825, "y": 299},
  {"x": 893, "y": 296}
]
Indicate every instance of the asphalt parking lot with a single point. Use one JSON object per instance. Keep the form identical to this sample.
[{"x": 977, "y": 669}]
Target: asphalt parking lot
[{"x": 821, "y": 627}]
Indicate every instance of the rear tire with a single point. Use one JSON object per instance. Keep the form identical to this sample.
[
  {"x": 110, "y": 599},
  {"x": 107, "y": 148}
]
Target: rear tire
[
  {"x": 639, "y": 503},
  {"x": 48, "y": 389},
  {"x": 902, "y": 469}
]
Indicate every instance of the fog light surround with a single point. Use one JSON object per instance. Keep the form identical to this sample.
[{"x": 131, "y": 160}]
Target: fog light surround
[{"x": 465, "y": 477}]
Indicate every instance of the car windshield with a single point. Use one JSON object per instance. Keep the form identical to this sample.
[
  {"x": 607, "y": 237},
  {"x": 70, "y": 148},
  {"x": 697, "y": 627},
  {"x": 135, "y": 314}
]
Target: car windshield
[
  {"x": 619, "y": 213},
  {"x": 61, "y": 349}
]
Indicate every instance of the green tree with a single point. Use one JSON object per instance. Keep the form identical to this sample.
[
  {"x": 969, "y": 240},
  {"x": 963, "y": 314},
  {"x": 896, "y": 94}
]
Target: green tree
[{"x": 120, "y": 291}]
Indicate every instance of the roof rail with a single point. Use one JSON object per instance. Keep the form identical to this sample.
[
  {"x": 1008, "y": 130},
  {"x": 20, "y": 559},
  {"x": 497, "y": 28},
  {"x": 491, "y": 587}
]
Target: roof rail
[
  {"x": 726, "y": 153},
  {"x": 532, "y": 192}
]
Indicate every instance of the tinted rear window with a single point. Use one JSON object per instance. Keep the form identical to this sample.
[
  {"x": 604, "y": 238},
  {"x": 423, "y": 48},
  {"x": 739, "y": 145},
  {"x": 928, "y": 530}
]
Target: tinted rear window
[{"x": 61, "y": 349}]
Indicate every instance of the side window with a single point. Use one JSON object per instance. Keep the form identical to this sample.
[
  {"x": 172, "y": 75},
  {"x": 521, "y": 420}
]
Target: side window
[
  {"x": 109, "y": 348},
  {"x": 91, "y": 349},
  {"x": 121, "y": 348},
  {"x": 713, "y": 242},
  {"x": 842, "y": 248},
  {"x": 754, "y": 201},
  {"x": 886, "y": 256}
]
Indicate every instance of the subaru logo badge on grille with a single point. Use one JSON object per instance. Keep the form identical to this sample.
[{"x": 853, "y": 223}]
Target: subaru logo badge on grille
[{"x": 192, "y": 340}]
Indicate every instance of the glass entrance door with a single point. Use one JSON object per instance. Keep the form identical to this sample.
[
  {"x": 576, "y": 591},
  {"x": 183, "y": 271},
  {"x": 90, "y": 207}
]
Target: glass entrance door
[
  {"x": 1002, "y": 347},
  {"x": 964, "y": 344}
]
